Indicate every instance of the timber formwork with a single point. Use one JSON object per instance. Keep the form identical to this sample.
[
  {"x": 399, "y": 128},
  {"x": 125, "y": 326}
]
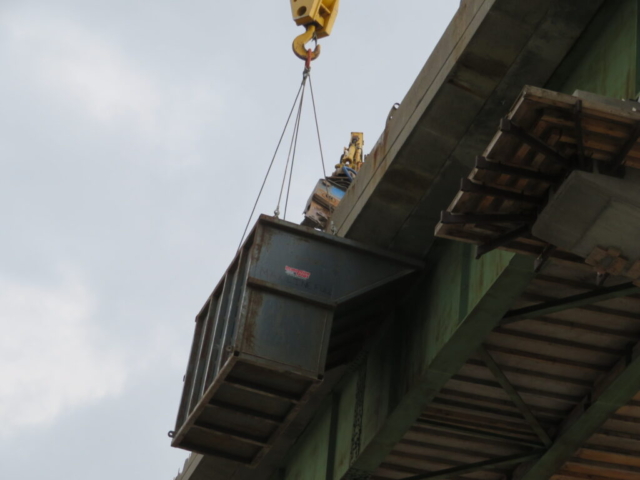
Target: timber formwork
[
  {"x": 546, "y": 135},
  {"x": 553, "y": 390}
]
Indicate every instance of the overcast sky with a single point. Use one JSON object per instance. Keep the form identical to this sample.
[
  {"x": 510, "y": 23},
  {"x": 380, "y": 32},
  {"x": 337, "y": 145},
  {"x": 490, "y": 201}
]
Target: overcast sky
[{"x": 134, "y": 136}]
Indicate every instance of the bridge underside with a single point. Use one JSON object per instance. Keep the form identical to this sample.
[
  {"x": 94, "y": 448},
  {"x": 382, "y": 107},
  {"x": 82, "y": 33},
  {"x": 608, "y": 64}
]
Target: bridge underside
[{"x": 554, "y": 385}]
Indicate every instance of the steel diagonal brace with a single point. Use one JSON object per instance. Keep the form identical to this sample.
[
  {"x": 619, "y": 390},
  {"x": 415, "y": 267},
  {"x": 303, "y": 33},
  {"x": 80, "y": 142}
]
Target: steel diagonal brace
[
  {"x": 575, "y": 301},
  {"x": 510, "y": 128},
  {"x": 503, "y": 240},
  {"x": 515, "y": 396}
]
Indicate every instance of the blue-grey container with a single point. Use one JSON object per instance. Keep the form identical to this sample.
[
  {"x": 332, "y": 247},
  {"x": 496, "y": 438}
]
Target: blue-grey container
[{"x": 261, "y": 340}]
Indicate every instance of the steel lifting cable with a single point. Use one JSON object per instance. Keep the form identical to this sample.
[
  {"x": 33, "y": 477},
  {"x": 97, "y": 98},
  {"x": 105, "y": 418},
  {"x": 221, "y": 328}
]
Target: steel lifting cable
[
  {"x": 315, "y": 116},
  {"x": 294, "y": 142},
  {"x": 299, "y": 100},
  {"x": 291, "y": 157},
  {"x": 264, "y": 181}
]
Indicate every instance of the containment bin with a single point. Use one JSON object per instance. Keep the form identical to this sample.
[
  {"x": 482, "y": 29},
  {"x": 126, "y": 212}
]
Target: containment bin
[{"x": 262, "y": 337}]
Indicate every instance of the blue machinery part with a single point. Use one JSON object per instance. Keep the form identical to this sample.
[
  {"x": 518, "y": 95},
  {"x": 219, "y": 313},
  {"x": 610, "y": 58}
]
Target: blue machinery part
[
  {"x": 350, "y": 173},
  {"x": 336, "y": 192},
  {"x": 262, "y": 338}
]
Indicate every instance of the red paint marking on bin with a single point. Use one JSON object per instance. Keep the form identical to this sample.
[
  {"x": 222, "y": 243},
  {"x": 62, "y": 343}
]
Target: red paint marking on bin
[{"x": 294, "y": 272}]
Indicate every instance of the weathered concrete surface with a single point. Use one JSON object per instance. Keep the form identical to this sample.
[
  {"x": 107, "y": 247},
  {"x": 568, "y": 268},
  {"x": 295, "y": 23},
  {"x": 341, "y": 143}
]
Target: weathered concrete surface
[
  {"x": 489, "y": 52},
  {"x": 607, "y": 205}
]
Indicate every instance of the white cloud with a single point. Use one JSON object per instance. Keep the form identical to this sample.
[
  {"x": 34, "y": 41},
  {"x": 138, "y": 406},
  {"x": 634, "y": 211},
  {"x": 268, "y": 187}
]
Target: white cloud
[
  {"x": 51, "y": 357},
  {"x": 86, "y": 71}
]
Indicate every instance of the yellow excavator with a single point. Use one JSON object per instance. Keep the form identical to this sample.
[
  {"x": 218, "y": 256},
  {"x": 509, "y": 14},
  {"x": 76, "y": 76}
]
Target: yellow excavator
[
  {"x": 318, "y": 18},
  {"x": 329, "y": 191}
]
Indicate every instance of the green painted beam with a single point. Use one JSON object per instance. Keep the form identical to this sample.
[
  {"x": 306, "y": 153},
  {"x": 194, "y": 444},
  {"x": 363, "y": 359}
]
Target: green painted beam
[
  {"x": 333, "y": 429},
  {"x": 604, "y": 59},
  {"x": 434, "y": 344},
  {"x": 309, "y": 456},
  {"x": 477, "y": 467},
  {"x": 575, "y": 301},
  {"x": 613, "y": 392},
  {"x": 637, "y": 49}
]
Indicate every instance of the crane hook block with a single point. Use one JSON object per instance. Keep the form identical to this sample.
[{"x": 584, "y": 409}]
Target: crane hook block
[
  {"x": 318, "y": 17},
  {"x": 299, "y": 44}
]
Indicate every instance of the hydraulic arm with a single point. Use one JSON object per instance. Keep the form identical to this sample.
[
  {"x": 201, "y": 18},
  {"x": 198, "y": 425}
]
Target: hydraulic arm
[{"x": 352, "y": 157}]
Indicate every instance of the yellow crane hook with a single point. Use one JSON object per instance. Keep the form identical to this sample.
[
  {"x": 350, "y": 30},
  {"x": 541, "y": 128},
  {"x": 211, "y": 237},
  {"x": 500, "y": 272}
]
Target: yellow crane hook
[
  {"x": 300, "y": 42},
  {"x": 317, "y": 17}
]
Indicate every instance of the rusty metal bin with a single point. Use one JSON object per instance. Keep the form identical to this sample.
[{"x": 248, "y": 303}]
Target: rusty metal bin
[{"x": 261, "y": 339}]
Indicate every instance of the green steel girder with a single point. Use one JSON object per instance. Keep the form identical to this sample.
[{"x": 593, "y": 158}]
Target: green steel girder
[
  {"x": 604, "y": 60},
  {"x": 443, "y": 322},
  {"x": 614, "y": 391},
  {"x": 437, "y": 345}
]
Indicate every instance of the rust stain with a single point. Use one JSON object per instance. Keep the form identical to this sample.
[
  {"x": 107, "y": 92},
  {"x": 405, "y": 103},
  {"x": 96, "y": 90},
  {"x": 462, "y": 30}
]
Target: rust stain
[
  {"x": 253, "y": 310},
  {"x": 379, "y": 150},
  {"x": 259, "y": 242}
]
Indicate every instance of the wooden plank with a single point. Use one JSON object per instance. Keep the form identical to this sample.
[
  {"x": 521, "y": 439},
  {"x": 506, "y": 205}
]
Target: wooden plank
[
  {"x": 476, "y": 399},
  {"x": 478, "y": 433},
  {"x": 488, "y": 464},
  {"x": 562, "y": 118},
  {"x": 444, "y": 414},
  {"x": 610, "y": 455}
]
